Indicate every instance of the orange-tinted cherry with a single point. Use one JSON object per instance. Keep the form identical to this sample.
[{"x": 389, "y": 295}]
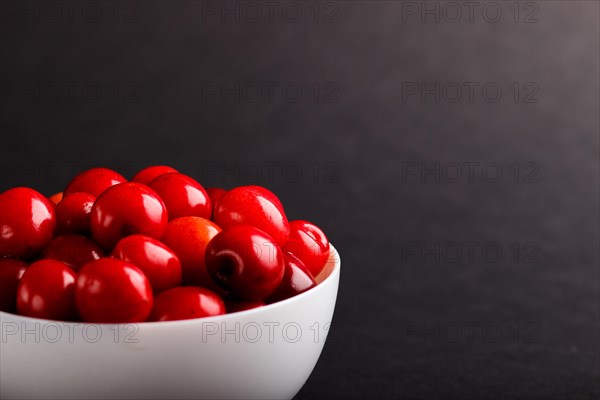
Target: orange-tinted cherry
[
  {"x": 188, "y": 238},
  {"x": 56, "y": 197}
]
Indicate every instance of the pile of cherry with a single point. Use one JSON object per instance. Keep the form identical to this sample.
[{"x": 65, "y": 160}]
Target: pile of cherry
[{"x": 157, "y": 248}]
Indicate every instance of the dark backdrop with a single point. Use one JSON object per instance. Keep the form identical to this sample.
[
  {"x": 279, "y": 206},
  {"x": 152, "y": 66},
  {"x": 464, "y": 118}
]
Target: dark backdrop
[{"x": 449, "y": 150}]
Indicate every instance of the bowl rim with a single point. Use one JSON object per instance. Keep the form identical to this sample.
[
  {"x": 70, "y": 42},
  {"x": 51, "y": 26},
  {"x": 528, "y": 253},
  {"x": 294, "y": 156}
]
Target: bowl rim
[{"x": 334, "y": 257}]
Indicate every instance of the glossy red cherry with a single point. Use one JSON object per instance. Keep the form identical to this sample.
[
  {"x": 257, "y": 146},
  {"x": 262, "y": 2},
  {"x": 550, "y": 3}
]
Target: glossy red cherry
[
  {"x": 146, "y": 175},
  {"x": 235, "y": 306},
  {"x": 73, "y": 250},
  {"x": 186, "y": 302},
  {"x": 113, "y": 291},
  {"x": 73, "y": 213},
  {"x": 56, "y": 197},
  {"x": 126, "y": 209},
  {"x": 188, "y": 238},
  {"x": 215, "y": 194},
  {"x": 158, "y": 262},
  {"x": 94, "y": 181},
  {"x": 296, "y": 279},
  {"x": 183, "y": 196},
  {"x": 11, "y": 271},
  {"x": 246, "y": 261},
  {"x": 255, "y": 206},
  {"x": 309, "y": 244},
  {"x": 46, "y": 291},
  {"x": 27, "y": 222}
]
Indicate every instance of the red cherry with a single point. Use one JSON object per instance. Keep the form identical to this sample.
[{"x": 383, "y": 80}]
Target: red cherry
[
  {"x": 46, "y": 291},
  {"x": 94, "y": 181},
  {"x": 256, "y": 206},
  {"x": 183, "y": 196},
  {"x": 113, "y": 291},
  {"x": 56, "y": 197},
  {"x": 296, "y": 279},
  {"x": 246, "y": 261},
  {"x": 235, "y": 306},
  {"x": 73, "y": 250},
  {"x": 188, "y": 238},
  {"x": 186, "y": 302},
  {"x": 146, "y": 175},
  {"x": 158, "y": 262},
  {"x": 126, "y": 209},
  {"x": 11, "y": 271},
  {"x": 73, "y": 213},
  {"x": 309, "y": 244},
  {"x": 215, "y": 194},
  {"x": 27, "y": 222}
]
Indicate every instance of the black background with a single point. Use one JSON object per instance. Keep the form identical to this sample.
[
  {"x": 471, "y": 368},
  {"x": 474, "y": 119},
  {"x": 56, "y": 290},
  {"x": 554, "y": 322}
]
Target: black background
[{"x": 132, "y": 86}]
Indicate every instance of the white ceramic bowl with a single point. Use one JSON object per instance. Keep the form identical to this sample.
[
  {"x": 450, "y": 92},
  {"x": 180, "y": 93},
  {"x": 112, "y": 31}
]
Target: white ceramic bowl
[{"x": 265, "y": 353}]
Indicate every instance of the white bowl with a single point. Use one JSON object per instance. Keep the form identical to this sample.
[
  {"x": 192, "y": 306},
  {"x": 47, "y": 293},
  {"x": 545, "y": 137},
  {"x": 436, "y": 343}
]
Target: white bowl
[{"x": 264, "y": 353}]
